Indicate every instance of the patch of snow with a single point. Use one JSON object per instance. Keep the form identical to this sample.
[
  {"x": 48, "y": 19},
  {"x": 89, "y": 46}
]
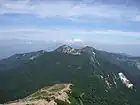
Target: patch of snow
[
  {"x": 97, "y": 61},
  {"x": 102, "y": 78},
  {"x": 115, "y": 82},
  {"x": 16, "y": 57},
  {"x": 108, "y": 84},
  {"x": 114, "y": 75},
  {"x": 24, "y": 55},
  {"x": 79, "y": 68},
  {"x": 77, "y": 53},
  {"x": 32, "y": 58},
  {"x": 43, "y": 51},
  {"x": 138, "y": 65},
  {"x": 72, "y": 49},
  {"x": 130, "y": 85},
  {"x": 92, "y": 59},
  {"x": 125, "y": 80},
  {"x": 93, "y": 53},
  {"x": 106, "y": 90}
]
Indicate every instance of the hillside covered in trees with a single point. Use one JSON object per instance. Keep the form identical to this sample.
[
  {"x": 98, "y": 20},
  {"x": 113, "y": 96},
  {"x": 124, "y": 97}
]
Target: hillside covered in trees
[{"x": 95, "y": 78}]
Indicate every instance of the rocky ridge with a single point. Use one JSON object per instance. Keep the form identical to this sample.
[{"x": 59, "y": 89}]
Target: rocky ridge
[{"x": 46, "y": 96}]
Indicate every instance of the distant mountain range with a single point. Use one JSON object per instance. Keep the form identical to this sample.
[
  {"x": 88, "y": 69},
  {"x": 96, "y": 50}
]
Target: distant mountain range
[
  {"x": 18, "y": 59},
  {"x": 10, "y": 47},
  {"x": 99, "y": 77}
]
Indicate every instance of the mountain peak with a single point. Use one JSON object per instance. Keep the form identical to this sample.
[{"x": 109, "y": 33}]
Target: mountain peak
[
  {"x": 68, "y": 50},
  {"x": 64, "y": 49},
  {"x": 88, "y": 50},
  {"x": 66, "y": 46}
]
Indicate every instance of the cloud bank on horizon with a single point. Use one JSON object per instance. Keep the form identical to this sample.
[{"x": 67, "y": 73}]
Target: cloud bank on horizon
[{"x": 97, "y": 21}]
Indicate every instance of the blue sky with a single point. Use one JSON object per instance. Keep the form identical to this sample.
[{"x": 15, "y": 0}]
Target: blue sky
[{"x": 94, "y": 21}]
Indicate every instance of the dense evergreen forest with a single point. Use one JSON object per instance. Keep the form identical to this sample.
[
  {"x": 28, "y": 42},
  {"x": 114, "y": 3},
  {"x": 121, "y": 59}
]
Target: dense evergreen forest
[{"x": 89, "y": 79}]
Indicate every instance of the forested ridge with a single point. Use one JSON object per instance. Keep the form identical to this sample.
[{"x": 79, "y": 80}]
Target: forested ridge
[{"x": 88, "y": 77}]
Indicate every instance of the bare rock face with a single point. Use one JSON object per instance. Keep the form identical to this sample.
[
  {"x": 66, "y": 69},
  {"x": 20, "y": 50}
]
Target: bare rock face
[
  {"x": 46, "y": 96},
  {"x": 65, "y": 49},
  {"x": 69, "y": 50}
]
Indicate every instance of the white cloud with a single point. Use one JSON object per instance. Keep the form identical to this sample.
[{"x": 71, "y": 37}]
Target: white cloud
[
  {"x": 137, "y": 18},
  {"x": 72, "y": 35},
  {"x": 75, "y": 40},
  {"x": 70, "y": 31},
  {"x": 71, "y": 10}
]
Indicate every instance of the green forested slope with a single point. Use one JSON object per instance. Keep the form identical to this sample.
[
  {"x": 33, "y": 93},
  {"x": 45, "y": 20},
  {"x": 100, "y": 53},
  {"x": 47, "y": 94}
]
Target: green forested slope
[{"x": 54, "y": 67}]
